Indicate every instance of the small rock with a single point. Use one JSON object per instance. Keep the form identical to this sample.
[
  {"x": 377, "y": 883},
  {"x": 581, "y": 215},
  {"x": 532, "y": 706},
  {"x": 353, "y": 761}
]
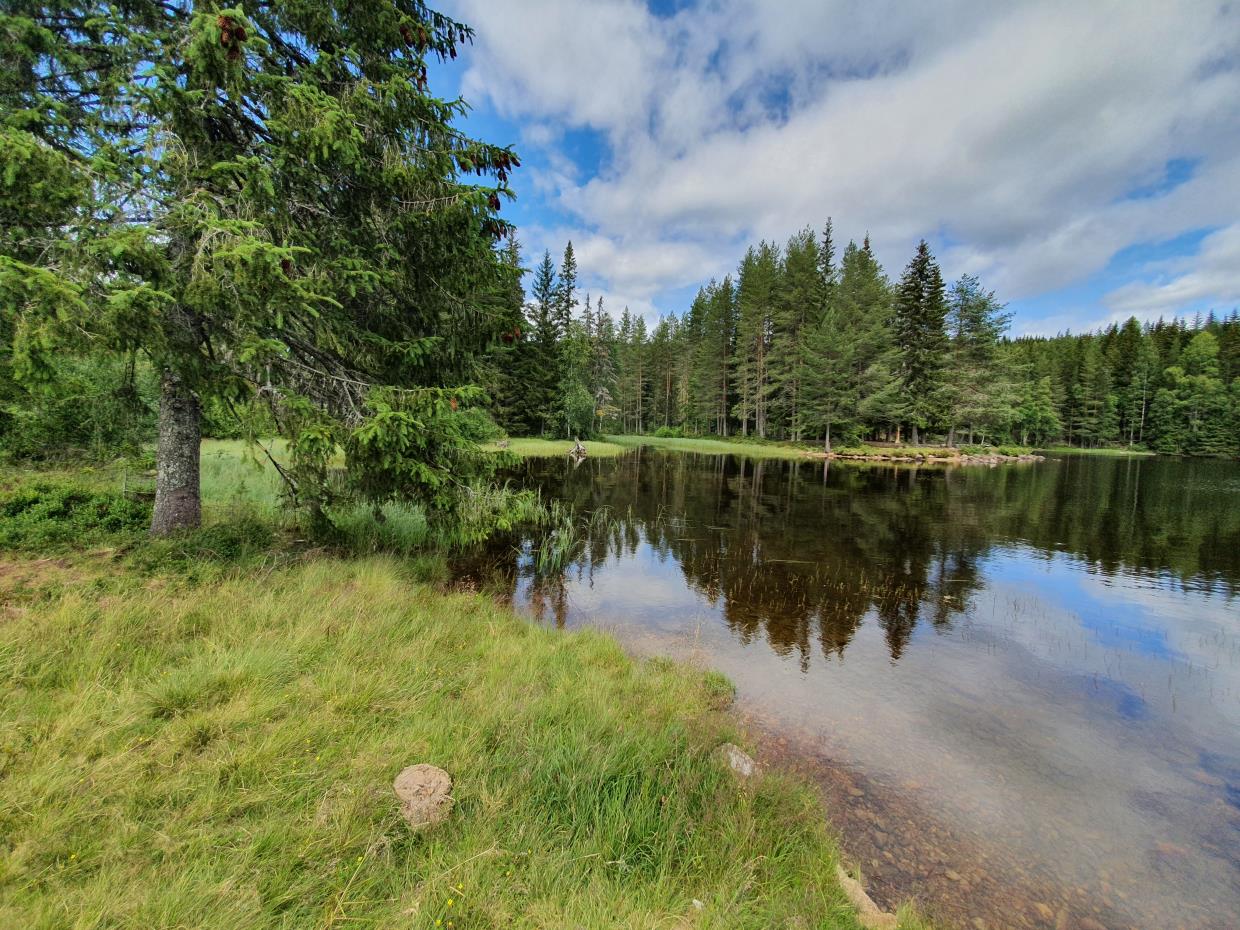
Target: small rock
[
  {"x": 953, "y": 875},
  {"x": 979, "y": 924},
  {"x": 856, "y": 793},
  {"x": 1088, "y": 923},
  {"x": 738, "y": 760},
  {"x": 1044, "y": 911},
  {"x": 425, "y": 793},
  {"x": 868, "y": 913},
  {"x": 698, "y": 905}
]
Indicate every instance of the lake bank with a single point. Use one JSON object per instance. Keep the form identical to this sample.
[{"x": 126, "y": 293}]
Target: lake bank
[
  {"x": 213, "y": 743},
  {"x": 256, "y": 735},
  {"x": 770, "y": 449},
  {"x": 1033, "y": 683},
  {"x": 534, "y": 447}
]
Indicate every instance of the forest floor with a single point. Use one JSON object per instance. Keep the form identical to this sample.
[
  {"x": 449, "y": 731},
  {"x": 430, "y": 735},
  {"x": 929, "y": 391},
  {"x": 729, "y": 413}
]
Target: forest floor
[{"x": 205, "y": 732}]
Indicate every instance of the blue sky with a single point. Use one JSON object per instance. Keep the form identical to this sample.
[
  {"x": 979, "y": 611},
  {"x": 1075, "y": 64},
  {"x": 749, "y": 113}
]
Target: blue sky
[{"x": 1083, "y": 159}]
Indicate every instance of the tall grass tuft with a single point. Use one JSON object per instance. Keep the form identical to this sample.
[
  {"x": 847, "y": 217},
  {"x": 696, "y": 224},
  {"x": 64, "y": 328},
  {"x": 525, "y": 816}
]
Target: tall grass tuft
[{"x": 222, "y": 756}]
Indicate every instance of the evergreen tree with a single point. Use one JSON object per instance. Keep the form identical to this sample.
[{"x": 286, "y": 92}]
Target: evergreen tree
[
  {"x": 798, "y": 312},
  {"x": 603, "y": 366},
  {"x": 757, "y": 283},
  {"x": 268, "y": 206},
  {"x": 543, "y": 371},
  {"x": 805, "y": 348},
  {"x": 566, "y": 293},
  {"x": 921, "y": 340},
  {"x": 1036, "y": 418},
  {"x": 509, "y": 365},
  {"x": 976, "y": 390},
  {"x": 832, "y": 387},
  {"x": 714, "y": 327}
]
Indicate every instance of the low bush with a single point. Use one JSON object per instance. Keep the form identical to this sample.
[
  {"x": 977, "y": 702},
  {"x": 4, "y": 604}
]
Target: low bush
[
  {"x": 476, "y": 425},
  {"x": 45, "y": 516}
]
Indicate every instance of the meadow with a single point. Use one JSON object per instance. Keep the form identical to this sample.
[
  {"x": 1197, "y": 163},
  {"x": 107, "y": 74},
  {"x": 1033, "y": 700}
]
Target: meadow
[{"x": 195, "y": 735}]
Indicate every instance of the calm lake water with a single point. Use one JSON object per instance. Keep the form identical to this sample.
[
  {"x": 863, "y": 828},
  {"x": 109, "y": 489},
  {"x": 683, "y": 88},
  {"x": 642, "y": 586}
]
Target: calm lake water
[{"x": 1018, "y": 686}]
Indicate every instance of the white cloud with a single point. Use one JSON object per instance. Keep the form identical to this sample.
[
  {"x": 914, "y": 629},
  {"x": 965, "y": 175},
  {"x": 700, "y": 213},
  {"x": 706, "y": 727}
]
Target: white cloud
[
  {"x": 1010, "y": 132},
  {"x": 1210, "y": 278}
]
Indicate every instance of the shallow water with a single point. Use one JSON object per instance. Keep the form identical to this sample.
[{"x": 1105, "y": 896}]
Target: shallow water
[{"x": 1018, "y": 686}]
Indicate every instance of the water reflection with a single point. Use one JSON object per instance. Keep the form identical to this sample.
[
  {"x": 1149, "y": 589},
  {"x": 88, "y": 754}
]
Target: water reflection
[
  {"x": 1045, "y": 656},
  {"x": 799, "y": 553}
]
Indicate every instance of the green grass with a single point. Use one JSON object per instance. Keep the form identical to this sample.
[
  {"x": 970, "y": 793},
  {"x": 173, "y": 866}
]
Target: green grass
[
  {"x": 879, "y": 451},
  {"x": 246, "y": 518},
  {"x": 546, "y": 448},
  {"x": 236, "y": 473},
  {"x": 1077, "y": 450},
  {"x": 764, "y": 448},
  {"x": 754, "y": 448},
  {"x": 221, "y": 755}
]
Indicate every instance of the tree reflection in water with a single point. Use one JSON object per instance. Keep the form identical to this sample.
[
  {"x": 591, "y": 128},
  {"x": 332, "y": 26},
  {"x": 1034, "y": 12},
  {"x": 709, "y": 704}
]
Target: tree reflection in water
[{"x": 798, "y": 553}]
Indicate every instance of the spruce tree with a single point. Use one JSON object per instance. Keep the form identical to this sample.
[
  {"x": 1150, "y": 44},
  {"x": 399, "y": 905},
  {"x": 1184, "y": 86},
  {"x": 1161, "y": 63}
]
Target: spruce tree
[
  {"x": 799, "y": 309},
  {"x": 543, "y": 371},
  {"x": 566, "y": 292},
  {"x": 756, "y": 292},
  {"x": 269, "y": 205},
  {"x": 977, "y": 390},
  {"x": 921, "y": 340}
]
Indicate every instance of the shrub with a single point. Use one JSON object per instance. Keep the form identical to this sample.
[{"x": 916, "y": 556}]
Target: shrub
[
  {"x": 476, "y": 425},
  {"x": 47, "y": 515},
  {"x": 669, "y": 432}
]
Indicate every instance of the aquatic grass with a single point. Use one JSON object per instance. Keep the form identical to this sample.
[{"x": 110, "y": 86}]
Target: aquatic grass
[
  {"x": 565, "y": 534},
  {"x": 754, "y": 449},
  {"x": 1122, "y": 452},
  {"x": 222, "y": 756},
  {"x": 549, "y": 448}
]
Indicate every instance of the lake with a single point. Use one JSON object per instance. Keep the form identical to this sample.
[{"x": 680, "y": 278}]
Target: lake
[{"x": 1018, "y": 686}]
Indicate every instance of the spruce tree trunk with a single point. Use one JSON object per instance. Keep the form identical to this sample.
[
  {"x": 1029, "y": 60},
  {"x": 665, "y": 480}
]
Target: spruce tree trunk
[
  {"x": 178, "y": 505},
  {"x": 916, "y": 436}
]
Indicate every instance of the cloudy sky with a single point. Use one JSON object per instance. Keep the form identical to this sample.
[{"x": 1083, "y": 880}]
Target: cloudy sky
[{"x": 1082, "y": 157}]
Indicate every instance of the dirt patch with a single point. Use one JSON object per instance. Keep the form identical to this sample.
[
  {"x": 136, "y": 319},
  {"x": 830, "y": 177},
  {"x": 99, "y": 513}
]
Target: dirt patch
[
  {"x": 425, "y": 793},
  {"x": 25, "y": 580}
]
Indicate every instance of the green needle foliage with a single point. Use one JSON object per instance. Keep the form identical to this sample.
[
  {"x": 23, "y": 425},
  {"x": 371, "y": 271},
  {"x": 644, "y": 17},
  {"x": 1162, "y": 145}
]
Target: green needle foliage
[
  {"x": 271, "y": 206},
  {"x": 797, "y": 348}
]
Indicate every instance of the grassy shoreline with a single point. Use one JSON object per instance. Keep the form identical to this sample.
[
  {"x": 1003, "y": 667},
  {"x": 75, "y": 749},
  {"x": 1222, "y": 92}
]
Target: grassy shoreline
[
  {"x": 762, "y": 448},
  {"x": 1104, "y": 451},
  {"x": 533, "y": 447},
  {"x": 209, "y": 740},
  {"x": 222, "y": 755}
]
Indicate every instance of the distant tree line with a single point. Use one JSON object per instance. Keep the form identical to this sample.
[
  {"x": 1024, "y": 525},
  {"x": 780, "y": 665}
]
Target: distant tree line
[{"x": 806, "y": 346}]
